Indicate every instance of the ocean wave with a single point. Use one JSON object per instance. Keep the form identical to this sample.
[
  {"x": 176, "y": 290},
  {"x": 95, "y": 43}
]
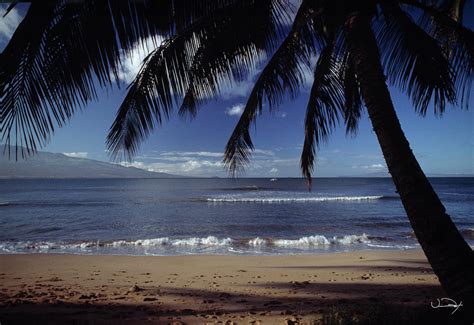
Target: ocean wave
[
  {"x": 468, "y": 233},
  {"x": 319, "y": 240},
  {"x": 183, "y": 244},
  {"x": 353, "y": 239},
  {"x": 303, "y": 241},
  {"x": 44, "y": 246},
  {"x": 235, "y": 199},
  {"x": 257, "y": 242},
  {"x": 395, "y": 246},
  {"x": 163, "y": 241}
]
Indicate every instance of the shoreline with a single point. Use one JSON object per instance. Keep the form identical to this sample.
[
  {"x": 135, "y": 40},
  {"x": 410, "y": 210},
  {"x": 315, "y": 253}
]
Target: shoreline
[
  {"x": 232, "y": 254},
  {"x": 200, "y": 289}
]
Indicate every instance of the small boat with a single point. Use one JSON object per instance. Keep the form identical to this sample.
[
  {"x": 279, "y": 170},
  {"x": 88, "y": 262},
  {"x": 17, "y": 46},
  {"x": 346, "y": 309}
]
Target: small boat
[{"x": 273, "y": 179}]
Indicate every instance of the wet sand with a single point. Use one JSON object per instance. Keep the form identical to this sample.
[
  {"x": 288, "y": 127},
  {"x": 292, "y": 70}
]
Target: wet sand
[{"x": 297, "y": 289}]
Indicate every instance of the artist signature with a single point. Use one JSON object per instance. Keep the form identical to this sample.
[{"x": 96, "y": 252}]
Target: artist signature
[{"x": 447, "y": 303}]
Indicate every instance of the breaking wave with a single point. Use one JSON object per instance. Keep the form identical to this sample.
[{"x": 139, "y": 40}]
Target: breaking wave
[
  {"x": 193, "y": 241},
  {"x": 468, "y": 233},
  {"x": 263, "y": 199},
  {"x": 322, "y": 241},
  {"x": 184, "y": 244}
]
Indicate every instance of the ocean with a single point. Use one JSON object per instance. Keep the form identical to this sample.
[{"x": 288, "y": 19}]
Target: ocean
[{"x": 220, "y": 216}]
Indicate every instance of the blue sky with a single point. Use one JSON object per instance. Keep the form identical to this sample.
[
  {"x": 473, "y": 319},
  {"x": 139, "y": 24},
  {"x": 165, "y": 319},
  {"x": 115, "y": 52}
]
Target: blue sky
[{"x": 442, "y": 145}]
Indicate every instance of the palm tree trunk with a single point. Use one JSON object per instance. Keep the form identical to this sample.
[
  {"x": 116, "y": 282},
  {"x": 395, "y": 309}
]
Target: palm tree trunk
[{"x": 450, "y": 256}]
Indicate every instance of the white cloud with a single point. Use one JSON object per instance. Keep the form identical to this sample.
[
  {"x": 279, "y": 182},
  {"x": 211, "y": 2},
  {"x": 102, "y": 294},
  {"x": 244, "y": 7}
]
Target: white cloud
[
  {"x": 377, "y": 166},
  {"x": 132, "y": 62},
  {"x": 264, "y": 163},
  {"x": 76, "y": 154},
  {"x": 235, "y": 110},
  {"x": 237, "y": 89},
  {"x": 187, "y": 168},
  {"x": 192, "y": 153},
  {"x": 185, "y": 156},
  {"x": 231, "y": 88},
  {"x": 9, "y": 23},
  {"x": 373, "y": 166},
  {"x": 242, "y": 88},
  {"x": 263, "y": 152}
]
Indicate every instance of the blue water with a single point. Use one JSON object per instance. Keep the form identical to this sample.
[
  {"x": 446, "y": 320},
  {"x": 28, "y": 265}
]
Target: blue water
[{"x": 214, "y": 216}]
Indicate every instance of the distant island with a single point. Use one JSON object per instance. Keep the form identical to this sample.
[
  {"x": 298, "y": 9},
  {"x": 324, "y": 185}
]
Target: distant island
[{"x": 58, "y": 165}]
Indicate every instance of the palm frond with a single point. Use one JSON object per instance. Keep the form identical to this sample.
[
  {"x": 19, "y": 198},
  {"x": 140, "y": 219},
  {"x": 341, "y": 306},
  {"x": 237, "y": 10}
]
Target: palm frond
[
  {"x": 171, "y": 72},
  {"x": 352, "y": 96},
  {"x": 62, "y": 49},
  {"x": 322, "y": 114},
  {"x": 282, "y": 75},
  {"x": 20, "y": 79},
  {"x": 49, "y": 67},
  {"x": 151, "y": 96},
  {"x": 225, "y": 57},
  {"x": 443, "y": 22},
  {"x": 415, "y": 62}
]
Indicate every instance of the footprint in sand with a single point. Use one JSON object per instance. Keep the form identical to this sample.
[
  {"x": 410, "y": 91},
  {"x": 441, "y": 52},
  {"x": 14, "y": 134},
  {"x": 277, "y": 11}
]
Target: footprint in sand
[
  {"x": 150, "y": 299},
  {"x": 255, "y": 322}
]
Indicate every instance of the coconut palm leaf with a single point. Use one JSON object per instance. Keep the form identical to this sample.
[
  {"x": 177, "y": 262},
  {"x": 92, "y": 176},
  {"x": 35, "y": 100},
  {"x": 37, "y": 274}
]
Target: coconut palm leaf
[
  {"x": 325, "y": 103},
  {"x": 443, "y": 22},
  {"x": 150, "y": 97},
  {"x": 283, "y": 75},
  {"x": 415, "y": 62},
  {"x": 225, "y": 57},
  {"x": 49, "y": 68},
  {"x": 353, "y": 100},
  {"x": 170, "y": 72},
  {"x": 20, "y": 91}
]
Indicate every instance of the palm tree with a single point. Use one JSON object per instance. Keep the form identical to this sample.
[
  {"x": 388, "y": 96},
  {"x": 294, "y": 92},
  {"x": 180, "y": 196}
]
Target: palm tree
[{"x": 62, "y": 49}]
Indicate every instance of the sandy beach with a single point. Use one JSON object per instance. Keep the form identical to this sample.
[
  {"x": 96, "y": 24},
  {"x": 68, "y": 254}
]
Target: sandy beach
[{"x": 57, "y": 288}]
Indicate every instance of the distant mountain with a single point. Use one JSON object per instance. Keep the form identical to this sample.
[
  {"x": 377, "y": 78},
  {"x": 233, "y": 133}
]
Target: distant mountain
[{"x": 58, "y": 165}]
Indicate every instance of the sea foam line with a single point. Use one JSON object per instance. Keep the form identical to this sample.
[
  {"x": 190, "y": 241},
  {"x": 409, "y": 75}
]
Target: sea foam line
[
  {"x": 290, "y": 199},
  {"x": 306, "y": 242},
  {"x": 165, "y": 241}
]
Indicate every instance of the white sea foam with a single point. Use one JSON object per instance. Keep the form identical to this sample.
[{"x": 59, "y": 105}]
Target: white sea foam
[
  {"x": 302, "y": 242},
  {"x": 152, "y": 242},
  {"x": 257, "y": 242},
  {"x": 352, "y": 239},
  {"x": 236, "y": 198},
  {"x": 85, "y": 245},
  {"x": 43, "y": 247},
  {"x": 319, "y": 240},
  {"x": 208, "y": 241},
  {"x": 393, "y": 246},
  {"x": 163, "y": 241}
]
